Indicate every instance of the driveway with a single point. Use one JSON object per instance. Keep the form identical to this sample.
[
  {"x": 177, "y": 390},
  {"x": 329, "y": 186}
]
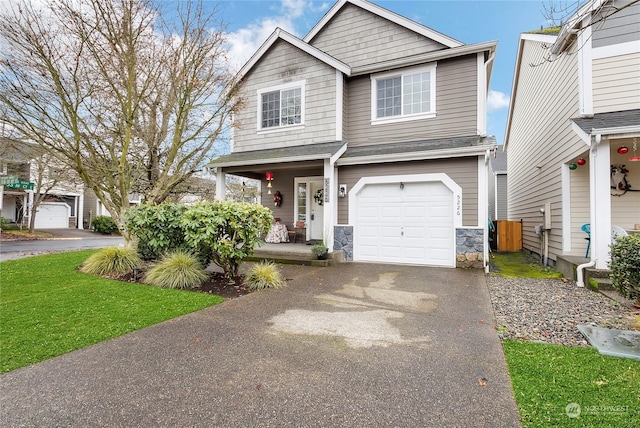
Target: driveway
[{"x": 350, "y": 345}]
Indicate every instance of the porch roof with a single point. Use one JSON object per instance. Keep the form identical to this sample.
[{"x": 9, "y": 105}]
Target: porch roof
[
  {"x": 418, "y": 150},
  {"x": 617, "y": 122},
  {"x": 279, "y": 155}
]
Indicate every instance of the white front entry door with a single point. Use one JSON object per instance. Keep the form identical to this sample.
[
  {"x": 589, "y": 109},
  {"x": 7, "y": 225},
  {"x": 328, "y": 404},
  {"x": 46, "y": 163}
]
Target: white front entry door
[
  {"x": 316, "y": 210},
  {"x": 409, "y": 223}
]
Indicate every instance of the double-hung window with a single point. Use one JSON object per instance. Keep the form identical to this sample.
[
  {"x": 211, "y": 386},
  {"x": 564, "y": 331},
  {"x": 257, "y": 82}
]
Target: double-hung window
[
  {"x": 281, "y": 106},
  {"x": 403, "y": 95}
]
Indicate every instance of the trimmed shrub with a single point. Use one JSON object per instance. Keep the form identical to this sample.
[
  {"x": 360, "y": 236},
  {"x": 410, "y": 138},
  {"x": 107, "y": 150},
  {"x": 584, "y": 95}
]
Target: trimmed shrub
[
  {"x": 157, "y": 228},
  {"x": 226, "y": 232},
  {"x": 264, "y": 275},
  {"x": 178, "y": 269},
  {"x": 104, "y": 224},
  {"x": 112, "y": 261},
  {"x": 625, "y": 265}
]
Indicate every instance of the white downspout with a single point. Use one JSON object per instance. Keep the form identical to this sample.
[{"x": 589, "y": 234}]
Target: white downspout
[{"x": 580, "y": 269}]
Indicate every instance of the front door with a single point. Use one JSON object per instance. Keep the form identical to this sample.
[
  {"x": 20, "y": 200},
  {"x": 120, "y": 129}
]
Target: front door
[{"x": 316, "y": 210}]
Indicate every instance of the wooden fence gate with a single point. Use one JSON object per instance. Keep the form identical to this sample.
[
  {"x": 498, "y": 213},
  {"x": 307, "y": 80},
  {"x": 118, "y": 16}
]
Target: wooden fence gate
[{"x": 509, "y": 235}]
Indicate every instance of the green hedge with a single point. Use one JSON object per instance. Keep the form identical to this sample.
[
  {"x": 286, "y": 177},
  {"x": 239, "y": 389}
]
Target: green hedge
[{"x": 625, "y": 265}]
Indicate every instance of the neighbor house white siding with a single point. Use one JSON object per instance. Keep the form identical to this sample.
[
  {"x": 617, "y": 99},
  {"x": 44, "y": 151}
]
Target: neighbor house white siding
[
  {"x": 541, "y": 140},
  {"x": 616, "y": 83}
]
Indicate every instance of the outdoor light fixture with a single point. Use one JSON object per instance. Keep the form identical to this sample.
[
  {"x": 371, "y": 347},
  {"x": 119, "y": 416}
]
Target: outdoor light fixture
[{"x": 269, "y": 177}]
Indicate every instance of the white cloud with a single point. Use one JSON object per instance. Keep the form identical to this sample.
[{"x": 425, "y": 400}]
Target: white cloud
[
  {"x": 497, "y": 100},
  {"x": 244, "y": 42}
]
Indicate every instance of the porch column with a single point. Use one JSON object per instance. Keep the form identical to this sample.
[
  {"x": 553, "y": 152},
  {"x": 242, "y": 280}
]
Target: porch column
[
  {"x": 330, "y": 207},
  {"x": 80, "y": 210},
  {"x": 221, "y": 188},
  {"x": 600, "y": 203}
]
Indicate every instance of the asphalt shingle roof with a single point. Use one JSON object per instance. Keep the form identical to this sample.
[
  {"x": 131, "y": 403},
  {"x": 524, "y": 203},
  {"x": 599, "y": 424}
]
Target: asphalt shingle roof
[
  {"x": 291, "y": 153},
  {"x": 472, "y": 141},
  {"x": 614, "y": 119}
]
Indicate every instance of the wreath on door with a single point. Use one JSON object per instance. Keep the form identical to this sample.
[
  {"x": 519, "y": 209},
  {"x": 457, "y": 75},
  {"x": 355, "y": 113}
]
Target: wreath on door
[{"x": 319, "y": 196}]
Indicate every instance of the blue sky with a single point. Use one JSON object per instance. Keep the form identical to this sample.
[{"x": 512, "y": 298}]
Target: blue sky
[{"x": 249, "y": 23}]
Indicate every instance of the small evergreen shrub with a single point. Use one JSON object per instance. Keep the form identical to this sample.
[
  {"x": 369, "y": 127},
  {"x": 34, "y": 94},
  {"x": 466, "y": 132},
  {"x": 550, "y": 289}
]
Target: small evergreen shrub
[
  {"x": 264, "y": 275},
  {"x": 104, "y": 224},
  {"x": 157, "y": 228},
  {"x": 112, "y": 261},
  {"x": 178, "y": 269},
  {"x": 625, "y": 265},
  {"x": 4, "y": 223}
]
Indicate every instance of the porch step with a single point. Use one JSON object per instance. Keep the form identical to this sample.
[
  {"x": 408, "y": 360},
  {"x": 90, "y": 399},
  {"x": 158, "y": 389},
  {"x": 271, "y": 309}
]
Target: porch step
[
  {"x": 297, "y": 258},
  {"x": 600, "y": 276}
]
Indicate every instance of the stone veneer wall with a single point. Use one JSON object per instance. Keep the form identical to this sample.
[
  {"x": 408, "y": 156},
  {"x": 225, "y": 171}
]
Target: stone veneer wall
[
  {"x": 343, "y": 240},
  {"x": 470, "y": 248}
]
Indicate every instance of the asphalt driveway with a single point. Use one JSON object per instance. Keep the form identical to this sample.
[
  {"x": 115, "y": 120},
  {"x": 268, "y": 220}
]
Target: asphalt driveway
[{"x": 354, "y": 345}]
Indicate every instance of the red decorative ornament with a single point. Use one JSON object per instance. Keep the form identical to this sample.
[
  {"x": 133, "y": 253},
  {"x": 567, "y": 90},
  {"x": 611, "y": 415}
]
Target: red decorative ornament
[
  {"x": 581, "y": 161},
  {"x": 269, "y": 175},
  {"x": 623, "y": 150}
]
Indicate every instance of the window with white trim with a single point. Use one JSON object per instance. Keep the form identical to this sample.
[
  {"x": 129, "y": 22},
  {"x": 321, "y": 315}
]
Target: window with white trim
[
  {"x": 403, "y": 96},
  {"x": 281, "y": 106}
]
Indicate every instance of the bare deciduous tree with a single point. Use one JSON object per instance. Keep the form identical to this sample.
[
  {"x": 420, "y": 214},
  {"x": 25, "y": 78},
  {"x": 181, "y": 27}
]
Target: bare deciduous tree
[{"x": 132, "y": 101}]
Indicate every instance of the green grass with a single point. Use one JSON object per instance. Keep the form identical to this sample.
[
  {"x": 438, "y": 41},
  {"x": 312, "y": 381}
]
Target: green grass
[
  {"x": 521, "y": 265},
  {"x": 547, "y": 378},
  {"x": 49, "y": 308}
]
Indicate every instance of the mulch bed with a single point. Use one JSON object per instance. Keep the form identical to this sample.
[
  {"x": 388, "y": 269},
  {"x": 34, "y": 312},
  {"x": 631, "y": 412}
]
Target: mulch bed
[{"x": 216, "y": 284}]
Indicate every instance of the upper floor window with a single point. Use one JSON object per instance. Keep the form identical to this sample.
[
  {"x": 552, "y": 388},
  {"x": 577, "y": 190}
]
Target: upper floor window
[
  {"x": 281, "y": 106},
  {"x": 403, "y": 96}
]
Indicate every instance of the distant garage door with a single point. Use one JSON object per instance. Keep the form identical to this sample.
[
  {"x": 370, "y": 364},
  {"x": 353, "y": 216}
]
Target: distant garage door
[
  {"x": 408, "y": 223},
  {"x": 53, "y": 215}
]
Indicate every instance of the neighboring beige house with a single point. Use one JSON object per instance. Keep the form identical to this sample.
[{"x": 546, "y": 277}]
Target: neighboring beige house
[
  {"x": 63, "y": 200},
  {"x": 373, "y": 129},
  {"x": 573, "y": 129}
]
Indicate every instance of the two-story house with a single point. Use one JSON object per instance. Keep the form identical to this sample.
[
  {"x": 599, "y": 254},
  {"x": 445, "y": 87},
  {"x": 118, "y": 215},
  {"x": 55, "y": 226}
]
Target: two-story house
[
  {"x": 60, "y": 199},
  {"x": 573, "y": 133},
  {"x": 372, "y": 130}
]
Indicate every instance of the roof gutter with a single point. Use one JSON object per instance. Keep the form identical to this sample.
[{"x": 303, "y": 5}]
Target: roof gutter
[
  {"x": 418, "y": 155},
  {"x": 425, "y": 57}
]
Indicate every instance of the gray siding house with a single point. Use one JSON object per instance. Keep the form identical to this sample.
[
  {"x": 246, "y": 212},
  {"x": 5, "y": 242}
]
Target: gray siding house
[
  {"x": 573, "y": 133},
  {"x": 498, "y": 186},
  {"x": 372, "y": 128}
]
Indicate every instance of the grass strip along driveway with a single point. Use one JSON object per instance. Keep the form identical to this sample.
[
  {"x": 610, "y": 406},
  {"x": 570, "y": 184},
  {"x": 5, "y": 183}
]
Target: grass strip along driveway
[
  {"x": 567, "y": 386},
  {"x": 49, "y": 308}
]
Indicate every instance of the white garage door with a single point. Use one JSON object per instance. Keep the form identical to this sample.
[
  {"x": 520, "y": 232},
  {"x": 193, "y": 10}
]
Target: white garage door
[
  {"x": 53, "y": 215},
  {"x": 409, "y": 223}
]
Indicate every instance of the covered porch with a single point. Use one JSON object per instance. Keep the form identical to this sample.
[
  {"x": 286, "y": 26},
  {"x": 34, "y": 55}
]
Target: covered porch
[
  {"x": 297, "y": 183},
  {"x": 601, "y": 186}
]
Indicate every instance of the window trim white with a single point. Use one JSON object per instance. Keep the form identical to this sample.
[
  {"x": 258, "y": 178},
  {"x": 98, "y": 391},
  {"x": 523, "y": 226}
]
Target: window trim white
[
  {"x": 431, "y": 68},
  {"x": 300, "y": 84}
]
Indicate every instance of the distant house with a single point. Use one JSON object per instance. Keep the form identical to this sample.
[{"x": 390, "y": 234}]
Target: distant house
[
  {"x": 62, "y": 205},
  {"x": 573, "y": 132},
  {"x": 372, "y": 130},
  {"x": 498, "y": 186}
]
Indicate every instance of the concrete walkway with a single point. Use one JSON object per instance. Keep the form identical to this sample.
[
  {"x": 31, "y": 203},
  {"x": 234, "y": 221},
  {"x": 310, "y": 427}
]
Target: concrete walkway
[{"x": 350, "y": 345}]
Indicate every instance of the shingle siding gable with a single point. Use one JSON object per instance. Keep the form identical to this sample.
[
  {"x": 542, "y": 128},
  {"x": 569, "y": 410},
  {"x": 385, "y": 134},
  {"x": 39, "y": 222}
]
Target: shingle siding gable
[
  {"x": 282, "y": 64},
  {"x": 358, "y": 37}
]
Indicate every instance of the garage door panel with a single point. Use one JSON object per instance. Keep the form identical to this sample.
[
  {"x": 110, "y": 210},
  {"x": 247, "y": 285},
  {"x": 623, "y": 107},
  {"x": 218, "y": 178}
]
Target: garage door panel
[
  {"x": 52, "y": 216},
  {"x": 410, "y": 225}
]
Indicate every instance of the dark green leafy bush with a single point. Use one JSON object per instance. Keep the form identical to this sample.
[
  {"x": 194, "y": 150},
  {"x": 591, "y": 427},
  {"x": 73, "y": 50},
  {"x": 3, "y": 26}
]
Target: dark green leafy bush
[
  {"x": 625, "y": 265},
  {"x": 104, "y": 224},
  {"x": 226, "y": 232},
  {"x": 157, "y": 228}
]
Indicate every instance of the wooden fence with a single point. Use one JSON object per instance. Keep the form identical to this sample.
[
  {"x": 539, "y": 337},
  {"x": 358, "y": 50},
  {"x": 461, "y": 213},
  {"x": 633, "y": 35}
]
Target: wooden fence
[{"x": 509, "y": 235}]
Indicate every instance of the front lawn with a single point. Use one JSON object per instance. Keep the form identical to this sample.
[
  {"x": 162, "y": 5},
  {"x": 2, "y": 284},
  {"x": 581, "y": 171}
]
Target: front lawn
[
  {"x": 572, "y": 386},
  {"x": 49, "y": 308}
]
